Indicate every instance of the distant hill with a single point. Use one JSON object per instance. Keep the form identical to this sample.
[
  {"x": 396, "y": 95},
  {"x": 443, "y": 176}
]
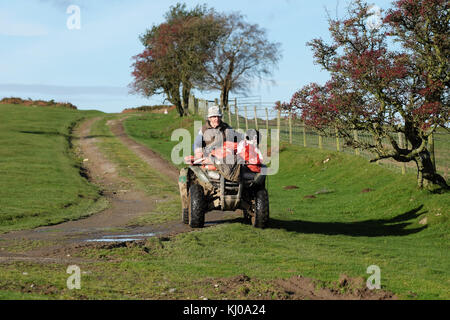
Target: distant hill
[
  {"x": 40, "y": 103},
  {"x": 153, "y": 109}
]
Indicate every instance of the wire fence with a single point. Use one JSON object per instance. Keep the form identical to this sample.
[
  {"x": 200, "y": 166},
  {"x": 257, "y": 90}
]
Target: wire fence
[{"x": 254, "y": 113}]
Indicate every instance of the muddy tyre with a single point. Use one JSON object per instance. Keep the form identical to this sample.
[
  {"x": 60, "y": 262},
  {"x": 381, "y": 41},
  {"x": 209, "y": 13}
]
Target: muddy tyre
[
  {"x": 185, "y": 216},
  {"x": 196, "y": 210},
  {"x": 260, "y": 218}
]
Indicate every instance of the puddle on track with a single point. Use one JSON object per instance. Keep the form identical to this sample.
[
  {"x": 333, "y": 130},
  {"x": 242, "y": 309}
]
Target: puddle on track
[
  {"x": 123, "y": 238},
  {"x": 212, "y": 223}
]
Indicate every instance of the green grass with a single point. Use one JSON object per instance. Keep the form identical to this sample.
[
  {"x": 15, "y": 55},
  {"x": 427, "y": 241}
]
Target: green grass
[
  {"x": 11, "y": 295},
  {"x": 40, "y": 183},
  {"x": 341, "y": 232}
]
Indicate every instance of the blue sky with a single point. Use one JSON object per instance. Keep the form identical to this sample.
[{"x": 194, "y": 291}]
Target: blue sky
[{"x": 91, "y": 66}]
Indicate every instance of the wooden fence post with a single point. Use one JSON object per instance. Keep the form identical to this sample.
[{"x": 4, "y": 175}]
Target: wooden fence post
[
  {"x": 304, "y": 134},
  {"x": 279, "y": 124},
  {"x": 355, "y": 134},
  {"x": 202, "y": 107},
  {"x": 256, "y": 119},
  {"x": 236, "y": 110},
  {"x": 290, "y": 127},
  {"x": 196, "y": 106},
  {"x": 402, "y": 145},
  {"x": 286, "y": 123},
  {"x": 246, "y": 120},
  {"x": 191, "y": 104},
  {"x": 338, "y": 147},
  {"x": 267, "y": 121}
]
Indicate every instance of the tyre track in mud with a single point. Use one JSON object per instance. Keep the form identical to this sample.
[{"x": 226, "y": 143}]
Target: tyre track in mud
[
  {"x": 153, "y": 159},
  {"x": 126, "y": 204}
]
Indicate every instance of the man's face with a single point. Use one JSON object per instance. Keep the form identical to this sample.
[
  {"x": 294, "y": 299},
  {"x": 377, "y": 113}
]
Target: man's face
[{"x": 214, "y": 121}]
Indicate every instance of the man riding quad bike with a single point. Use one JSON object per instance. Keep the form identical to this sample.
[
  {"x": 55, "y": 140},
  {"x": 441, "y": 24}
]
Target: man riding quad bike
[{"x": 225, "y": 174}]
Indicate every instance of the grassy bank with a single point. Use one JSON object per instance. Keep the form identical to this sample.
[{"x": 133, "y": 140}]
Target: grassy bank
[{"x": 40, "y": 182}]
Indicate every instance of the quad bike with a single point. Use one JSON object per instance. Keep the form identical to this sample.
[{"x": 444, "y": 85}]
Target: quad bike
[{"x": 208, "y": 190}]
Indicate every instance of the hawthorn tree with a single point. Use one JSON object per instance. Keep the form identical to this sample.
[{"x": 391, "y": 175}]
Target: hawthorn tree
[
  {"x": 380, "y": 90},
  {"x": 242, "y": 53},
  {"x": 175, "y": 53}
]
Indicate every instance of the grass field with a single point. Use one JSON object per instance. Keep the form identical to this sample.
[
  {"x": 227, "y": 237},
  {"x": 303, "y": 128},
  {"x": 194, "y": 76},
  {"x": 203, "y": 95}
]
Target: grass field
[
  {"x": 341, "y": 231},
  {"x": 40, "y": 182}
]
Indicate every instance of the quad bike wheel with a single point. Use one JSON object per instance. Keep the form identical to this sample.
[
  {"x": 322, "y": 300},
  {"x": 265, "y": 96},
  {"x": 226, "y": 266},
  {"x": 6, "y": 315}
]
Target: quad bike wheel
[
  {"x": 260, "y": 218},
  {"x": 185, "y": 216},
  {"x": 196, "y": 210}
]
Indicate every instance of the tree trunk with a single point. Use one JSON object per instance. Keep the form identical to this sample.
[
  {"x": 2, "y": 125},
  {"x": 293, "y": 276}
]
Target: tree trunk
[
  {"x": 173, "y": 95},
  {"x": 185, "y": 97},
  {"x": 226, "y": 86},
  {"x": 178, "y": 104},
  {"x": 180, "y": 109},
  {"x": 224, "y": 98},
  {"x": 427, "y": 177}
]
